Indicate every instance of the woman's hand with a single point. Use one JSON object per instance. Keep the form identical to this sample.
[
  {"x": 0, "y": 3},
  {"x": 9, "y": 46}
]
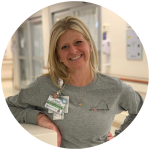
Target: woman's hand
[
  {"x": 44, "y": 121},
  {"x": 58, "y": 136},
  {"x": 109, "y": 136}
]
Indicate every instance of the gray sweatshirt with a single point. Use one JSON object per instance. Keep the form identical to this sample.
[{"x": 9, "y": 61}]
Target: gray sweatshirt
[{"x": 86, "y": 125}]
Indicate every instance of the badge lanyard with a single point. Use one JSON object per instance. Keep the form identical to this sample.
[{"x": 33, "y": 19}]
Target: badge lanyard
[
  {"x": 58, "y": 94},
  {"x": 66, "y": 98},
  {"x": 57, "y": 104}
]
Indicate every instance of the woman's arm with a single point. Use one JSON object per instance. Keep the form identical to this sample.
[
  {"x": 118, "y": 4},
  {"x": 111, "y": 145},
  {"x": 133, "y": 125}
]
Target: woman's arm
[
  {"x": 23, "y": 105},
  {"x": 44, "y": 121},
  {"x": 24, "y": 108}
]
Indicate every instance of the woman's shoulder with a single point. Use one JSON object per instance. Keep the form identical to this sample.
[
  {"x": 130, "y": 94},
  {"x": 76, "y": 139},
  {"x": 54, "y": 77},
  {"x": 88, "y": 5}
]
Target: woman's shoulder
[
  {"x": 108, "y": 78},
  {"x": 45, "y": 80},
  {"x": 110, "y": 82}
]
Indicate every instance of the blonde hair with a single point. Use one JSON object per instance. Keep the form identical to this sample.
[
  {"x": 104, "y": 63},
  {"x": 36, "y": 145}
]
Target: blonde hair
[{"x": 56, "y": 69}]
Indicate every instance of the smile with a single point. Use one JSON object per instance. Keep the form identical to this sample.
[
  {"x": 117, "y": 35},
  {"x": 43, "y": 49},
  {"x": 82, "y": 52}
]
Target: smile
[{"x": 75, "y": 57}]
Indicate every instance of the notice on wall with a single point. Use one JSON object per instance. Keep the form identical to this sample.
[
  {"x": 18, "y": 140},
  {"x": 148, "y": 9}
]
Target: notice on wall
[{"x": 133, "y": 45}]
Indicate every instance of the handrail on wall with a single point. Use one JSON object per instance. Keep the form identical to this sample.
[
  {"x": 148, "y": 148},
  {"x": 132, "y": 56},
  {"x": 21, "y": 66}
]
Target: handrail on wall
[
  {"x": 134, "y": 80},
  {"x": 7, "y": 59}
]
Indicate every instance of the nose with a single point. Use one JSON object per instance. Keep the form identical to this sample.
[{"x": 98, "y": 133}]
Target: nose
[{"x": 73, "y": 49}]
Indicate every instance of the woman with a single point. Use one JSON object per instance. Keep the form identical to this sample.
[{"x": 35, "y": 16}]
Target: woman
[{"x": 94, "y": 98}]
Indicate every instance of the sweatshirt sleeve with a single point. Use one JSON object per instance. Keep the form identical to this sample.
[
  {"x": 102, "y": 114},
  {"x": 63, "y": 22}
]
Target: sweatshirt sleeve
[
  {"x": 130, "y": 101},
  {"x": 23, "y": 105}
]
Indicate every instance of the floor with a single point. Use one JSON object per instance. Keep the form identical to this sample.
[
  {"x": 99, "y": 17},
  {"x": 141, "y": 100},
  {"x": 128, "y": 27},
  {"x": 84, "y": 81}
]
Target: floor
[{"x": 8, "y": 90}]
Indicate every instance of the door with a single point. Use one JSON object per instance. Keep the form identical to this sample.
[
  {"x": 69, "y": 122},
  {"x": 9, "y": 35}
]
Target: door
[
  {"x": 37, "y": 61},
  {"x": 23, "y": 54},
  {"x": 30, "y": 51}
]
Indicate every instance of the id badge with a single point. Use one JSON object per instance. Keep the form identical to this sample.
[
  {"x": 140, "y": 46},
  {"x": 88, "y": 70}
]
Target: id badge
[
  {"x": 61, "y": 117},
  {"x": 55, "y": 105},
  {"x": 67, "y": 104},
  {"x": 66, "y": 107},
  {"x": 58, "y": 117}
]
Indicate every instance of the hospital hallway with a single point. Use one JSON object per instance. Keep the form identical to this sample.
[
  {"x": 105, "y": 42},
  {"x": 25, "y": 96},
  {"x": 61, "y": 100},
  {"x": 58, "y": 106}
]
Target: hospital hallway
[{"x": 119, "y": 50}]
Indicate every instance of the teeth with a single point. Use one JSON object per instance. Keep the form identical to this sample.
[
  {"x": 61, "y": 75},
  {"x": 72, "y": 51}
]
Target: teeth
[{"x": 75, "y": 58}]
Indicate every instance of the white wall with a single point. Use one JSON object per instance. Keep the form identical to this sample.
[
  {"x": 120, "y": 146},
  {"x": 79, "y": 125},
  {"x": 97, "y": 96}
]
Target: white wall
[{"x": 119, "y": 64}]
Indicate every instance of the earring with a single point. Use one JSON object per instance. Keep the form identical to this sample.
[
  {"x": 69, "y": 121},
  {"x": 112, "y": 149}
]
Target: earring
[{"x": 91, "y": 50}]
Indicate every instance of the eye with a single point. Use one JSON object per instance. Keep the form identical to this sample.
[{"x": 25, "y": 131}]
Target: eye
[
  {"x": 78, "y": 42},
  {"x": 64, "y": 47}
]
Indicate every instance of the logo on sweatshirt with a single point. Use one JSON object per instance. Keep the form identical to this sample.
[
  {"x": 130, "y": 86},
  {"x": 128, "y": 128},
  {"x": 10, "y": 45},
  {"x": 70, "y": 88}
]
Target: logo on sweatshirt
[{"x": 101, "y": 106}]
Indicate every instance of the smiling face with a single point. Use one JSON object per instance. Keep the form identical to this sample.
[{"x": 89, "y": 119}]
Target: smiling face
[{"x": 74, "y": 50}]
